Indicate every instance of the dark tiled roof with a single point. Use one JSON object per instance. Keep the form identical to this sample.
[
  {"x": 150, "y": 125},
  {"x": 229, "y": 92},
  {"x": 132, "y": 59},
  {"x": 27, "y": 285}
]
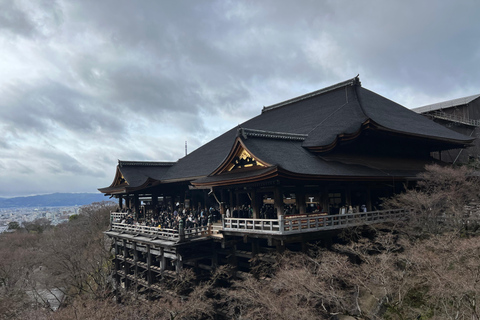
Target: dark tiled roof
[
  {"x": 282, "y": 134},
  {"x": 395, "y": 117},
  {"x": 136, "y": 173}
]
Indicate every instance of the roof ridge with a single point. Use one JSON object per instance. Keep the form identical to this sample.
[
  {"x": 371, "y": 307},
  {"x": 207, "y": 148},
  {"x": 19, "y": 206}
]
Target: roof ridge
[
  {"x": 351, "y": 82},
  {"x": 446, "y": 104},
  {"x": 245, "y": 133},
  {"x": 146, "y": 163}
]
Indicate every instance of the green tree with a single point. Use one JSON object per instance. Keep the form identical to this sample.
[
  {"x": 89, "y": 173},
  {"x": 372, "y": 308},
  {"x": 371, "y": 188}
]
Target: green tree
[{"x": 14, "y": 225}]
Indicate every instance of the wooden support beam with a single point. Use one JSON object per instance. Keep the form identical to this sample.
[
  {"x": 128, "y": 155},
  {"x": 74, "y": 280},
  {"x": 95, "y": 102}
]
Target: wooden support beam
[
  {"x": 178, "y": 263},
  {"x": 256, "y": 203},
  {"x": 300, "y": 199},
  {"x": 162, "y": 259},
  {"x": 149, "y": 265},
  {"x": 126, "y": 265},
  {"x": 278, "y": 200},
  {"x": 135, "y": 259},
  {"x": 136, "y": 204}
]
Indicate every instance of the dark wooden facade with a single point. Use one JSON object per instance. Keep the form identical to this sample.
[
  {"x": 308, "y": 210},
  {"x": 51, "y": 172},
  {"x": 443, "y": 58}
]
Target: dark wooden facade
[{"x": 460, "y": 115}]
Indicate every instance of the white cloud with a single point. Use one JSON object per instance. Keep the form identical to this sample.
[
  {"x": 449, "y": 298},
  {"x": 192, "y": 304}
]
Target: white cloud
[{"x": 85, "y": 83}]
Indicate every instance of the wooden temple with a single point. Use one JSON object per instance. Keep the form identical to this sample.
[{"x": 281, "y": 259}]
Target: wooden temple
[{"x": 301, "y": 170}]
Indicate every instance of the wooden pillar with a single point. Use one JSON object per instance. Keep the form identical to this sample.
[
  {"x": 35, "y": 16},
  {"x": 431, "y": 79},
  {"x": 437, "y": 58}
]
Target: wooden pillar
[
  {"x": 135, "y": 259},
  {"x": 222, "y": 202},
  {"x": 154, "y": 202},
  {"x": 178, "y": 263},
  {"x": 120, "y": 202},
  {"x": 348, "y": 195},
  {"x": 127, "y": 202},
  {"x": 256, "y": 203},
  {"x": 162, "y": 259},
  {"x": 278, "y": 200},
  {"x": 324, "y": 199},
  {"x": 300, "y": 199},
  {"x": 280, "y": 245},
  {"x": 205, "y": 200},
  {"x": 149, "y": 265},
  {"x": 237, "y": 200},
  {"x": 126, "y": 266},
  {"x": 214, "y": 256},
  {"x": 136, "y": 204},
  {"x": 117, "y": 263},
  {"x": 255, "y": 247},
  {"x": 231, "y": 204}
]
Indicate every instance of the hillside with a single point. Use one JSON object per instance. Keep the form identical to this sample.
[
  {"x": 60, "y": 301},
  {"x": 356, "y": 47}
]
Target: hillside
[{"x": 52, "y": 200}]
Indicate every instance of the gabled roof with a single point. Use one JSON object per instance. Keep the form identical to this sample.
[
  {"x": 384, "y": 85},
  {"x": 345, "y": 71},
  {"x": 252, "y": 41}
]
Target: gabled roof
[
  {"x": 446, "y": 104},
  {"x": 292, "y": 135},
  {"x": 132, "y": 175}
]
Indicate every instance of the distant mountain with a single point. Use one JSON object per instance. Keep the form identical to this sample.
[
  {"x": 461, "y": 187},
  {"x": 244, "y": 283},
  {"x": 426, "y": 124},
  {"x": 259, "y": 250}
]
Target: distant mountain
[{"x": 53, "y": 200}]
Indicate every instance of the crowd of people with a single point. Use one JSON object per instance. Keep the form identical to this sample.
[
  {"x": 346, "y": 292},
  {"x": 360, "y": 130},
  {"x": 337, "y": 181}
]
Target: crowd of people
[{"x": 166, "y": 217}]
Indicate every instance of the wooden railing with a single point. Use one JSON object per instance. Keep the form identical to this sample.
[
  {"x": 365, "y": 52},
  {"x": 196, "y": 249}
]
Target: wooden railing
[
  {"x": 117, "y": 216},
  {"x": 454, "y": 118},
  {"x": 176, "y": 235},
  {"x": 301, "y": 224},
  {"x": 284, "y": 225}
]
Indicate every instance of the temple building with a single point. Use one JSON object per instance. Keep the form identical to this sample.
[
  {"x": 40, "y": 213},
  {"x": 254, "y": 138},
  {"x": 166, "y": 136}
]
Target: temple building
[
  {"x": 337, "y": 147},
  {"x": 461, "y": 115},
  {"x": 300, "y": 171}
]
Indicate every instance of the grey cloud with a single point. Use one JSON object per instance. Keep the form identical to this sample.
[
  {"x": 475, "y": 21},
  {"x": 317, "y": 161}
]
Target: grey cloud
[
  {"x": 15, "y": 20},
  {"x": 135, "y": 80}
]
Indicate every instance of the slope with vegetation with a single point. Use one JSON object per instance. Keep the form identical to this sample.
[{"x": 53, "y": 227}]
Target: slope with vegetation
[{"x": 426, "y": 267}]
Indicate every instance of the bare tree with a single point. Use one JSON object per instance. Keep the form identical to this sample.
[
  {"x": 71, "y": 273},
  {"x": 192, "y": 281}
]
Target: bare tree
[{"x": 439, "y": 200}]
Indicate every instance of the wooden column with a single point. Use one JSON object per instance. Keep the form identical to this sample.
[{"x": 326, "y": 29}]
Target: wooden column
[
  {"x": 136, "y": 204},
  {"x": 256, "y": 204},
  {"x": 149, "y": 265},
  {"x": 348, "y": 196},
  {"x": 278, "y": 200},
  {"x": 126, "y": 267},
  {"x": 300, "y": 199},
  {"x": 120, "y": 202},
  {"x": 135, "y": 259},
  {"x": 237, "y": 200},
  {"x": 214, "y": 256},
  {"x": 324, "y": 199},
  {"x": 117, "y": 263},
  {"x": 127, "y": 202},
  {"x": 154, "y": 202},
  {"x": 178, "y": 263},
  {"x": 222, "y": 202},
  {"x": 231, "y": 204},
  {"x": 205, "y": 200},
  {"x": 162, "y": 259}
]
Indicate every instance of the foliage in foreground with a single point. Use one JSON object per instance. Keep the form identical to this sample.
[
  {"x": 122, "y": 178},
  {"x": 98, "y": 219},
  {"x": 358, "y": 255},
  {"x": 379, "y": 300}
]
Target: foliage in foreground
[{"x": 427, "y": 267}]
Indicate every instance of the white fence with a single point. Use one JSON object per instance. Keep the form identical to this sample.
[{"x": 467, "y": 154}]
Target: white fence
[
  {"x": 155, "y": 232},
  {"x": 306, "y": 223},
  {"x": 283, "y": 225}
]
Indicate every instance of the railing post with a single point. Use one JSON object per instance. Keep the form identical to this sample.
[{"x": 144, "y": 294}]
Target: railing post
[
  {"x": 181, "y": 231},
  {"x": 209, "y": 225},
  {"x": 281, "y": 222}
]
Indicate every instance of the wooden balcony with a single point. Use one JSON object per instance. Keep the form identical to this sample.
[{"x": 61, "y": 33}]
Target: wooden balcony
[{"x": 284, "y": 225}]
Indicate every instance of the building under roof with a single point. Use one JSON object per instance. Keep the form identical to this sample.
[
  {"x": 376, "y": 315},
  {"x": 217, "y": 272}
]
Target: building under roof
[
  {"x": 461, "y": 115},
  {"x": 343, "y": 145}
]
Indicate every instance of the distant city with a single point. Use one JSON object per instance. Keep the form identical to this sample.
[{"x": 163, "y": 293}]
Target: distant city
[
  {"x": 56, "y": 207},
  {"x": 55, "y": 215}
]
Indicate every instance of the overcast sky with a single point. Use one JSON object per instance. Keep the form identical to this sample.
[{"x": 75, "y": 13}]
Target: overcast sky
[{"x": 84, "y": 83}]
